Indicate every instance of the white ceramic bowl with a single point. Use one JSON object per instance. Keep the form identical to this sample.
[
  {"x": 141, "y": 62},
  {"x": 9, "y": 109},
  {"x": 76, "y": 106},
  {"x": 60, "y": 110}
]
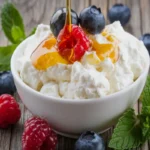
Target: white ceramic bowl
[{"x": 71, "y": 117}]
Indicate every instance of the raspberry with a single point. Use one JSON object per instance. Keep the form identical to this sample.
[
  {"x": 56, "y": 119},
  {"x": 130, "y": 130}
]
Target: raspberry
[
  {"x": 9, "y": 111},
  {"x": 72, "y": 45},
  {"x": 38, "y": 135}
]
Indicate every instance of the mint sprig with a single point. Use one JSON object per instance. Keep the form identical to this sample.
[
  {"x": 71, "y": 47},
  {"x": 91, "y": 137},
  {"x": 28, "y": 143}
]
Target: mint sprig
[
  {"x": 127, "y": 133},
  {"x": 13, "y": 27},
  {"x": 10, "y": 18},
  {"x": 5, "y": 56},
  {"x": 133, "y": 130}
]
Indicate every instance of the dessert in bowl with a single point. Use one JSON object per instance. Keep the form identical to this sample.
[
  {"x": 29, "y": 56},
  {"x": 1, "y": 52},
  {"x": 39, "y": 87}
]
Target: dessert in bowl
[{"x": 89, "y": 94}]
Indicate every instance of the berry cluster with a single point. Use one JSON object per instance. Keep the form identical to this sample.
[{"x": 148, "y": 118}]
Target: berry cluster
[
  {"x": 91, "y": 20},
  {"x": 74, "y": 40},
  {"x": 37, "y": 133},
  {"x": 72, "y": 44}
]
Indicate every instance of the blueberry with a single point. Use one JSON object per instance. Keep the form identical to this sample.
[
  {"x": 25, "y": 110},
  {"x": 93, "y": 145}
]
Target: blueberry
[
  {"x": 7, "y": 85},
  {"x": 58, "y": 20},
  {"x": 89, "y": 141},
  {"x": 92, "y": 20},
  {"x": 119, "y": 12},
  {"x": 146, "y": 40}
]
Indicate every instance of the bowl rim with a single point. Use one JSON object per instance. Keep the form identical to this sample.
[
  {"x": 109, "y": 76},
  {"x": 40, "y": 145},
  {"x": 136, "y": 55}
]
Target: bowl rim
[{"x": 64, "y": 100}]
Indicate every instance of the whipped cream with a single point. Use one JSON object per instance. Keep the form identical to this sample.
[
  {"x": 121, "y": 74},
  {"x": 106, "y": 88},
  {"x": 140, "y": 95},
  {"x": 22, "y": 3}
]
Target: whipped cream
[{"x": 89, "y": 78}]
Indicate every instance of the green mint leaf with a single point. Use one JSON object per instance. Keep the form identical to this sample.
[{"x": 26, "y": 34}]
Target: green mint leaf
[
  {"x": 145, "y": 123},
  {"x": 17, "y": 34},
  {"x": 5, "y": 56},
  {"x": 146, "y": 128},
  {"x": 4, "y": 67},
  {"x": 145, "y": 113},
  {"x": 145, "y": 96},
  {"x": 11, "y": 17},
  {"x": 128, "y": 133},
  {"x": 145, "y": 110},
  {"x": 33, "y": 31}
]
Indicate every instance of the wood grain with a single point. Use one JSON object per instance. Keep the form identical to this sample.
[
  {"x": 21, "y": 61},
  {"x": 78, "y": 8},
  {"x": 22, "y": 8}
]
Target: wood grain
[
  {"x": 16, "y": 131},
  {"x": 79, "y": 5},
  {"x": 145, "y": 14},
  {"x": 41, "y": 12},
  {"x": 35, "y": 12},
  {"x": 134, "y": 26},
  {"x": 5, "y": 138},
  {"x": 5, "y": 135}
]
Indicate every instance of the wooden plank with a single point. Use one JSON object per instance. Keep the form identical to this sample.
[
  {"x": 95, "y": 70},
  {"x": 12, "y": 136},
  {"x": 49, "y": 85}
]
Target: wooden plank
[
  {"x": 16, "y": 132},
  {"x": 145, "y": 14},
  {"x": 134, "y": 26},
  {"x": 59, "y": 4},
  {"x": 79, "y": 5},
  {"x": 145, "y": 146},
  {"x": 5, "y": 137},
  {"x": 41, "y": 12},
  {"x": 5, "y": 134},
  {"x": 107, "y": 136},
  {"x": 27, "y": 114},
  {"x": 65, "y": 143},
  {"x": 35, "y": 12}
]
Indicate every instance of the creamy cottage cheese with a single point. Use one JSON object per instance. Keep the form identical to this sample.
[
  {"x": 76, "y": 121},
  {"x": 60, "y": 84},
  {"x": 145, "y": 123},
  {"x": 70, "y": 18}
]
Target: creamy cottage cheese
[{"x": 84, "y": 80}]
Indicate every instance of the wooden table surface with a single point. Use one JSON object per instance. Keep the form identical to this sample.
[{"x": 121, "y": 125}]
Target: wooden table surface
[{"x": 40, "y": 11}]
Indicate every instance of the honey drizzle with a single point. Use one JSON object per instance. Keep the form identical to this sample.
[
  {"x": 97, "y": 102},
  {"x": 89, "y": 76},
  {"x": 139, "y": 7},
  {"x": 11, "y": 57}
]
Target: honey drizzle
[{"x": 68, "y": 14}]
